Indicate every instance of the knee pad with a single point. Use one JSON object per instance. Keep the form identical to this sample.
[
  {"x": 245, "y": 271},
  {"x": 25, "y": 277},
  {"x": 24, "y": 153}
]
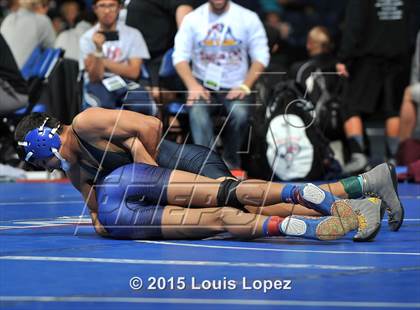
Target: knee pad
[{"x": 226, "y": 196}]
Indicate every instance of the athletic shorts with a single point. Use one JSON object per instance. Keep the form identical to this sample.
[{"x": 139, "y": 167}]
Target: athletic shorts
[
  {"x": 375, "y": 86},
  {"x": 131, "y": 200}
]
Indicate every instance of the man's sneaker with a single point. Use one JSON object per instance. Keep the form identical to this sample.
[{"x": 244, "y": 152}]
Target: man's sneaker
[
  {"x": 357, "y": 164},
  {"x": 361, "y": 214},
  {"x": 382, "y": 182}
]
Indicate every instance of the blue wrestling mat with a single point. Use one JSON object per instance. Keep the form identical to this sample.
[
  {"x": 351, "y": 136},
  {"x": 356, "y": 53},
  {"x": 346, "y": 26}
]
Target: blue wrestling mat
[{"x": 51, "y": 258}]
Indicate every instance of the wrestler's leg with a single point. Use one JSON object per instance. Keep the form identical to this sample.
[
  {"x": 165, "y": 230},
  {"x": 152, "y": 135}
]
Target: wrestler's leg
[
  {"x": 190, "y": 223},
  {"x": 141, "y": 185},
  {"x": 189, "y": 189},
  {"x": 193, "y": 158},
  {"x": 283, "y": 209},
  {"x": 203, "y": 161},
  {"x": 182, "y": 223},
  {"x": 172, "y": 187}
]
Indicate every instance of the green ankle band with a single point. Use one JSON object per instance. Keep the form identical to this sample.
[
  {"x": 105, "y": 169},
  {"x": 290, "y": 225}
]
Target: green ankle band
[{"x": 352, "y": 187}]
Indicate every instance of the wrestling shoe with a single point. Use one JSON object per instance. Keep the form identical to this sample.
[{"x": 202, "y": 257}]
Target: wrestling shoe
[
  {"x": 361, "y": 214},
  {"x": 321, "y": 228},
  {"x": 382, "y": 182}
]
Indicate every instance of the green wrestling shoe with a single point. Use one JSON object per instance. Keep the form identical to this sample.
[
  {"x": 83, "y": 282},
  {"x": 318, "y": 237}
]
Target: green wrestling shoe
[
  {"x": 382, "y": 182},
  {"x": 361, "y": 214}
]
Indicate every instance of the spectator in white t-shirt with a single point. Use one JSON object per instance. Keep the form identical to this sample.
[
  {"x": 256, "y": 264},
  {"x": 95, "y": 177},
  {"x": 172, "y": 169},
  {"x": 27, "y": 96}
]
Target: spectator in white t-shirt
[
  {"x": 217, "y": 38},
  {"x": 111, "y": 54},
  {"x": 69, "y": 40},
  {"x": 28, "y": 28}
]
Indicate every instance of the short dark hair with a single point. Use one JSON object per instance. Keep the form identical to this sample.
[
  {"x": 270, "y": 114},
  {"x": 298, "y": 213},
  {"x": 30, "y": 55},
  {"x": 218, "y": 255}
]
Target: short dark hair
[
  {"x": 30, "y": 122},
  {"x": 119, "y": 1}
]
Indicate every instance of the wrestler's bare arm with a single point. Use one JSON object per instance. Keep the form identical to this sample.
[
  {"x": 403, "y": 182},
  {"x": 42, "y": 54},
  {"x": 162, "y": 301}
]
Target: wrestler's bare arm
[
  {"x": 139, "y": 152},
  {"x": 97, "y": 123},
  {"x": 89, "y": 195}
]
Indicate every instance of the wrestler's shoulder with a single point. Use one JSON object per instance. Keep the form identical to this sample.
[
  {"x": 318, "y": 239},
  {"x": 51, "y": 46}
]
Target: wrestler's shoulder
[
  {"x": 90, "y": 119},
  {"x": 90, "y": 114}
]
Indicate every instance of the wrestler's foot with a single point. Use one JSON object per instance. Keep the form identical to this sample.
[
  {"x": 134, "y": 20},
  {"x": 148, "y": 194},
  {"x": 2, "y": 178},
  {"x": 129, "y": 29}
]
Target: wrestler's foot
[
  {"x": 321, "y": 228},
  {"x": 313, "y": 197},
  {"x": 382, "y": 182},
  {"x": 361, "y": 214}
]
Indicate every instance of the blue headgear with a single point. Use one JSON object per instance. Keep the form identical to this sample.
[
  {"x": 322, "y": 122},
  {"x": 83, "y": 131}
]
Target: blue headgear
[{"x": 42, "y": 143}]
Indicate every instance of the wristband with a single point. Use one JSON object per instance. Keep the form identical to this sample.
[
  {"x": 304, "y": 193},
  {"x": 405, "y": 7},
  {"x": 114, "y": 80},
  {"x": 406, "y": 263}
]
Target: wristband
[
  {"x": 245, "y": 88},
  {"x": 98, "y": 54}
]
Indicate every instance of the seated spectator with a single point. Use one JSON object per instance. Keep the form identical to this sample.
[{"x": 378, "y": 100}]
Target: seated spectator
[
  {"x": 218, "y": 37},
  {"x": 27, "y": 28},
  {"x": 69, "y": 39},
  {"x": 319, "y": 48},
  {"x": 410, "y": 108},
  {"x": 322, "y": 85},
  {"x": 111, "y": 54},
  {"x": 13, "y": 88},
  {"x": 70, "y": 11}
]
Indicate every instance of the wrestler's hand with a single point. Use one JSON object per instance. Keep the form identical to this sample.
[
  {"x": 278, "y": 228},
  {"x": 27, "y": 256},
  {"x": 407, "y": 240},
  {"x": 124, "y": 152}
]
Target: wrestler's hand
[
  {"x": 99, "y": 40},
  {"x": 342, "y": 70},
  {"x": 236, "y": 93},
  {"x": 197, "y": 92},
  {"x": 99, "y": 228}
]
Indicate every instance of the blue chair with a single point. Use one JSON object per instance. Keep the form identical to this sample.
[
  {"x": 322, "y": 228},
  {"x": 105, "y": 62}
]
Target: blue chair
[
  {"x": 50, "y": 59},
  {"x": 144, "y": 73},
  {"x": 36, "y": 71},
  {"x": 140, "y": 101},
  {"x": 29, "y": 68},
  {"x": 167, "y": 70},
  {"x": 40, "y": 107}
]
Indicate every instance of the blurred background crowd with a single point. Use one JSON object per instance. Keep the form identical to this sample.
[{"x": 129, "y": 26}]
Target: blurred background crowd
[{"x": 346, "y": 37}]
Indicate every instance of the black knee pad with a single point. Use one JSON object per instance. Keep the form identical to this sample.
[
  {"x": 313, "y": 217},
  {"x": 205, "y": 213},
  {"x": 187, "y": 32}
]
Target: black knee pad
[{"x": 226, "y": 196}]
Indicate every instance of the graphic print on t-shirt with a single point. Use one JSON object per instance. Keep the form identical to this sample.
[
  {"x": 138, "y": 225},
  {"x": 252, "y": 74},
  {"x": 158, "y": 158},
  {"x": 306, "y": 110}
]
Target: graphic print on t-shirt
[
  {"x": 112, "y": 50},
  {"x": 226, "y": 53},
  {"x": 389, "y": 9}
]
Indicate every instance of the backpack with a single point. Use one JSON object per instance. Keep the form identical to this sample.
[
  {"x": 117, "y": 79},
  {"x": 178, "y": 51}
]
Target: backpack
[
  {"x": 324, "y": 89},
  {"x": 286, "y": 142}
]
